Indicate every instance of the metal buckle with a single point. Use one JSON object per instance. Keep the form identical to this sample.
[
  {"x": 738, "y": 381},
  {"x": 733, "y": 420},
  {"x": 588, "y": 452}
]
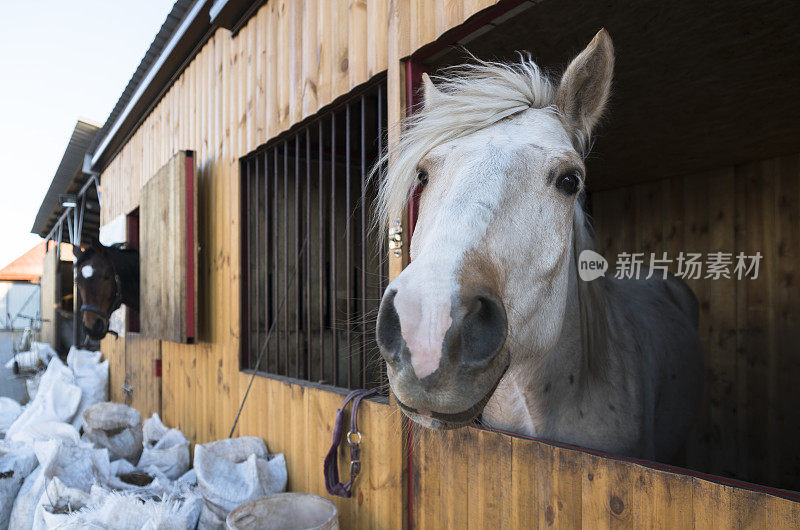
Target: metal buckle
[{"x": 350, "y": 437}]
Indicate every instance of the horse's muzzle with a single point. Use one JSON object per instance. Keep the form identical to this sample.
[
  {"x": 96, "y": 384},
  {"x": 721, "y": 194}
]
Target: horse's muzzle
[{"x": 458, "y": 378}]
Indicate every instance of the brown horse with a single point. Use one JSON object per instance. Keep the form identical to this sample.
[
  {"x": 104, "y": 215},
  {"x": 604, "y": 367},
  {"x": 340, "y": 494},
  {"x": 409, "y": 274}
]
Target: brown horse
[{"x": 107, "y": 277}]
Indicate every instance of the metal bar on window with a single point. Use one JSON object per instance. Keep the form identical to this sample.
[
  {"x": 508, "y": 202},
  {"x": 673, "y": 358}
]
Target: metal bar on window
[
  {"x": 321, "y": 257},
  {"x": 252, "y": 167},
  {"x": 297, "y": 228},
  {"x": 380, "y": 236},
  {"x": 307, "y": 258},
  {"x": 348, "y": 246},
  {"x": 265, "y": 277},
  {"x": 363, "y": 250},
  {"x": 333, "y": 288},
  {"x": 275, "y": 261},
  {"x": 249, "y": 305},
  {"x": 286, "y": 252},
  {"x": 380, "y": 179}
]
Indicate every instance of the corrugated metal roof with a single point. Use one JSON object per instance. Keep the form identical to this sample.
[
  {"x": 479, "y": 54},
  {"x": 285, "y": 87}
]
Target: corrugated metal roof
[
  {"x": 179, "y": 10},
  {"x": 86, "y": 137},
  {"x": 68, "y": 176}
]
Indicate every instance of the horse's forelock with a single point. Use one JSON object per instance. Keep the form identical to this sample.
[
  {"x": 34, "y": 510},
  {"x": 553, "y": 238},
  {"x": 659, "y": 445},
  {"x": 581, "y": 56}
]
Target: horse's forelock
[{"x": 469, "y": 98}]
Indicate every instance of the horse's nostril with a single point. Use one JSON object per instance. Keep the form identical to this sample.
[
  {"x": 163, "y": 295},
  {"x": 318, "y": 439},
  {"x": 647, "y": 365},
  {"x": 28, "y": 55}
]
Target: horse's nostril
[
  {"x": 483, "y": 330},
  {"x": 390, "y": 339}
]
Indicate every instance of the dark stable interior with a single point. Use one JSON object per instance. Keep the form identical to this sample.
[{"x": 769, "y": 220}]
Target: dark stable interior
[{"x": 697, "y": 85}]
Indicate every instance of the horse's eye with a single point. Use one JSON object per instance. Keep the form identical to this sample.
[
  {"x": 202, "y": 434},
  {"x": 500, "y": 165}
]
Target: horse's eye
[
  {"x": 422, "y": 176},
  {"x": 569, "y": 182}
]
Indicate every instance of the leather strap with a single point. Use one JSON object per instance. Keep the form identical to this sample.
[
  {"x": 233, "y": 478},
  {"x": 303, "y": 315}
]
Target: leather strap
[{"x": 331, "y": 465}]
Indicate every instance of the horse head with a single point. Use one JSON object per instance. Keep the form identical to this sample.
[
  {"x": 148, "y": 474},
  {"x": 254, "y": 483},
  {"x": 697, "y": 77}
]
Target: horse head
[
  {"x": 101, "y": 275},
  {"x": 498, "y": 151}
]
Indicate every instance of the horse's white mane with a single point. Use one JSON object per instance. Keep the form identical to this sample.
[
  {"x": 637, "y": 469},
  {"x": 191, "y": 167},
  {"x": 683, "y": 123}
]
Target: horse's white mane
[{"x": 468, "y": 98}]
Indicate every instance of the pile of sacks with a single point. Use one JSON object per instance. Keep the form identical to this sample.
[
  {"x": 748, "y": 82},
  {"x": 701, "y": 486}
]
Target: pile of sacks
[{"x": 121, "y": 473}]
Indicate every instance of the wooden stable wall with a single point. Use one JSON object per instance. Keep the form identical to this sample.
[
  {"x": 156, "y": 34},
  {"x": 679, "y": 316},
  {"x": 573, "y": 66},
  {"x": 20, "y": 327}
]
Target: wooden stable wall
[
  {"x": 747, "y": 426},
  {"x": 133, "y": 377},
  {"x": 473, "y": 478},
  {"x": 291, "y": 59}
]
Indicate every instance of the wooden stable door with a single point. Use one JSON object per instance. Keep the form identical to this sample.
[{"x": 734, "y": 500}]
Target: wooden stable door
[
  {"x": 168, "y": 252},
  {"x": 134, "y": 372}
]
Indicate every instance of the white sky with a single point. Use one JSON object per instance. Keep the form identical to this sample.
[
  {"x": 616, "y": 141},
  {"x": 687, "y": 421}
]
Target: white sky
[{"x": 60, "y": 60}]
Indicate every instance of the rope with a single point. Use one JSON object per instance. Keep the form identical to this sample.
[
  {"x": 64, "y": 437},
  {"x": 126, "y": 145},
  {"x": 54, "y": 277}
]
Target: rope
[{"x": 266, "y": 340}]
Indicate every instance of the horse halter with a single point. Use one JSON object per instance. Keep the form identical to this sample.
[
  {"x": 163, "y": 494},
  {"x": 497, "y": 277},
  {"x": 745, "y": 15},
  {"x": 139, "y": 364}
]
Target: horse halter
[
  {"x": 331, "y": 463},
  {"x": 105, "y": 317}
]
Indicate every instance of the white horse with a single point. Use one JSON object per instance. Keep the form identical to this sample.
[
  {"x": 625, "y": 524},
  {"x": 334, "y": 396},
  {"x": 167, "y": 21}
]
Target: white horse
[{"x": 491, "y": 318}]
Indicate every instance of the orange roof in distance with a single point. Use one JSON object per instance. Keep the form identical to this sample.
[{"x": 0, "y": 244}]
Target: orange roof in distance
[{"x": 29, "y": 266}]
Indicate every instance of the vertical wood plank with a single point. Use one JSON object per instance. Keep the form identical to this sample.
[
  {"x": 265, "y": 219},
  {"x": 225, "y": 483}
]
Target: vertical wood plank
[
  {"x": 721, "y": 365},
  {"x": 377, "y": 32},
  {"x": 357, "y": 42},
  {"x": 310, "y": 65},
  {"x": 784, "y": 459},
  {"x": 340, "y": 69}
]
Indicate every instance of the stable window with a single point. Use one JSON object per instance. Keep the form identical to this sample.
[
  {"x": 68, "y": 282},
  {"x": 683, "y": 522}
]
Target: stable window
[{"x": 312, "y": 271}]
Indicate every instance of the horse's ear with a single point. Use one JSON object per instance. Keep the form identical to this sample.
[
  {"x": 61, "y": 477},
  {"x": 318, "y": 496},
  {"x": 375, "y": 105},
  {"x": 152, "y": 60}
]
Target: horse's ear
[
  {"x": 98, "y": 247},
  {"x": 586, "y": 84},
  {"x": 429, "y": 91},
  {"x": 77, "y": 252}
]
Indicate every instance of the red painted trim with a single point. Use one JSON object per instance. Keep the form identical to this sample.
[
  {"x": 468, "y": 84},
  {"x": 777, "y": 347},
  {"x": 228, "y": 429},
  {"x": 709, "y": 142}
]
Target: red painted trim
[
  {"x": 157, "y": 367},
  {"x": 414, "y": 71},
  {"x": 788, "y": 494},
  {"x": 190, "y": 248}
]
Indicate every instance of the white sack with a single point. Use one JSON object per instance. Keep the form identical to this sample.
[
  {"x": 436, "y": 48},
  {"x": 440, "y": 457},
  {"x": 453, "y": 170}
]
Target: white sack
[
  {"x": 49, "y": 430},
  {"x": 78, "y": 466},
  {"x": 9, "y": 411},
  {"x": 34, "y": 359},
  {"x": 32, "y": 385},
  {"x": 177, "y": 508},
  {"x": 91, "y": 376},
  {"x": 116, "y": 427},
  {"x": 24, "y": 507},
  {"x": 16, "y": 463},
  {"x": 125, "y": 476},
  {"x": 165, "y": 449},
  {"x": 233, "y": 471},
  {"x": 56, "y": 503},
  {"x": 56, "y": 400},
  {"x": 189, "y": 478}
]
